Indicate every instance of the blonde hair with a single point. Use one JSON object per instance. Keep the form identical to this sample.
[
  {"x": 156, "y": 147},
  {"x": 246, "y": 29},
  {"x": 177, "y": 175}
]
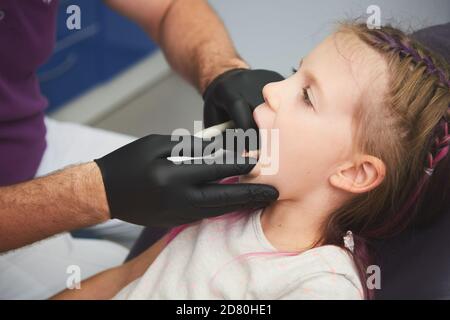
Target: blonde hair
[{"x": 408, "y": 131}]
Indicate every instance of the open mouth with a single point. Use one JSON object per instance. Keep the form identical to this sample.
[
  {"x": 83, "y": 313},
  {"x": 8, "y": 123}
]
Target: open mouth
[{"x": 251, "y": 154}]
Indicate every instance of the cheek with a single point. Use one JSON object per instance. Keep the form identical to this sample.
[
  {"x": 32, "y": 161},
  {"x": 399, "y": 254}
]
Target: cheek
[
  {"x": 294, "y": 156},
  {"x": 283, "y": 150},
  {"x": 264, "y": 118},
  {"x": 309, "y": 149},
  {"x": 278, "y": 152}
]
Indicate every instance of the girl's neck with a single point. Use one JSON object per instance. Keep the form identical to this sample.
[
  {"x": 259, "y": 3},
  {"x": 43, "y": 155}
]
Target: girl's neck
[{"x": 294, "y": 225}]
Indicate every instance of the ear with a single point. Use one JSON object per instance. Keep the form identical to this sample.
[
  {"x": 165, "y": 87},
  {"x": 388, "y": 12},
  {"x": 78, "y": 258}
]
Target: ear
[{"x": 361, "y": 176}]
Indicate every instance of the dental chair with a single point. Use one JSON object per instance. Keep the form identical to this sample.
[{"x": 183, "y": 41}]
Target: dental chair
[{"x": 414, "y": 264}]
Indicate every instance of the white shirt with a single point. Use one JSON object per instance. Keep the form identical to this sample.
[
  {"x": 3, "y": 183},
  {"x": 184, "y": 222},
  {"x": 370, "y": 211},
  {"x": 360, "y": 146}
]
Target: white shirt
[{"x": 204, "y": 261}]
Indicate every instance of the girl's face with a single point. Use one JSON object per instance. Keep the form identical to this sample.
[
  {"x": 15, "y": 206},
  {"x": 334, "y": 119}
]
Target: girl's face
[{"x": 313, "y": 112}]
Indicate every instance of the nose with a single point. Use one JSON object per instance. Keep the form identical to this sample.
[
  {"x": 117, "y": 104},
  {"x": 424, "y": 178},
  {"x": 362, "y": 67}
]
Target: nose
[{"x": 271, "y": 97}]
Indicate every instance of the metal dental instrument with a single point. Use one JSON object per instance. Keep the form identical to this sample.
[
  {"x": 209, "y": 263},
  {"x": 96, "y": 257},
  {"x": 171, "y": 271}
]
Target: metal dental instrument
[
  {"x": 213, "y": 131},
  {"x": 206, "y": 133}
]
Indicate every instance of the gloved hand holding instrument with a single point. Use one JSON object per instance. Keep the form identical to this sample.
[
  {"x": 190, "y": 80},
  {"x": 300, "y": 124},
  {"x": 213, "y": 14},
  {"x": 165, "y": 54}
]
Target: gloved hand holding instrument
[
  {"x": 234, "y": 95},
  {"x": 144, "y": 187}
]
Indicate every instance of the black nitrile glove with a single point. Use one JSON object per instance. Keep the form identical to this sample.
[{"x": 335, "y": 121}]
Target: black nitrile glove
[
  {"x": 145, "y": 188},
  {"x": 234, "y": 95}
]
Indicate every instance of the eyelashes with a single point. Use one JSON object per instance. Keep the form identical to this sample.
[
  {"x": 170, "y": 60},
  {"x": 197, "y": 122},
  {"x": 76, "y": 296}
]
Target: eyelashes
[{"x": 305, "y": 95}]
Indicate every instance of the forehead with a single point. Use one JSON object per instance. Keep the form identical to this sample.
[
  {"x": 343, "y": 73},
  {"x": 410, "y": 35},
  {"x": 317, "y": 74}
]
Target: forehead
[{"x": 348, "y": 70}]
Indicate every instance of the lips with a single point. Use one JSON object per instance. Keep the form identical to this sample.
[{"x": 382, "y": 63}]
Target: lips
[{"x": 251, "y": 154}]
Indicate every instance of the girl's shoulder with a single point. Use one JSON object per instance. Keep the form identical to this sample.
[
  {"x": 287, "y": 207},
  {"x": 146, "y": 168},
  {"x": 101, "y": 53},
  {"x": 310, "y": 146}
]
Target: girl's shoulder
[
  {"x": 330, "y": 258},
  {"x": 332, "y": 262}
]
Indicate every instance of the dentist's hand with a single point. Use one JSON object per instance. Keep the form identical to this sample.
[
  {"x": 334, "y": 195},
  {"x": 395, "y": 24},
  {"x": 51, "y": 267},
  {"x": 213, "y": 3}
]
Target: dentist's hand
[
  {"x": 234, "y": 95},
  {"x": 145, "y": 188}
]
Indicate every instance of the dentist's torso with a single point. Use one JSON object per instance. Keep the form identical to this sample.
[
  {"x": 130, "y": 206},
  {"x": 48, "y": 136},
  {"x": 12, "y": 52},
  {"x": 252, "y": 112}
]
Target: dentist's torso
[{"x": 27, "y": 36}]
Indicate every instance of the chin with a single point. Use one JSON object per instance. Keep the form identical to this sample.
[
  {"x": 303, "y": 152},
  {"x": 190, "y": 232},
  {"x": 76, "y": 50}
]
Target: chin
[{"x": 252, "y": 175}]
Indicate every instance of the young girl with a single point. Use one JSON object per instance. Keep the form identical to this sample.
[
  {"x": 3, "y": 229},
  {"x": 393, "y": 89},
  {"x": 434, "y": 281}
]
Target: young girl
[{"x": 363, "y": 148}]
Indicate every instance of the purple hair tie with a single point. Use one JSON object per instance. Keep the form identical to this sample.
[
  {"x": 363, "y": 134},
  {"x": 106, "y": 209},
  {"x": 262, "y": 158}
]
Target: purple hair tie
[
  {"x": 441, "y": 147},
  {"x": 441, "y": 144},
  {"x": 409, "y": 50}
]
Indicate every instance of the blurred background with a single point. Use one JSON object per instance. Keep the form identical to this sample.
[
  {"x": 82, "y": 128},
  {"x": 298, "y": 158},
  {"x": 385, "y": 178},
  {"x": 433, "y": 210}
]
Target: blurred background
[{"x": 110, "y": 75}]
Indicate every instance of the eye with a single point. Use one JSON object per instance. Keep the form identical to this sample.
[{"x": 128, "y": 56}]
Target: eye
[
  {"x": 294, "y": 70},
  {"x": 306, "y": 98}
]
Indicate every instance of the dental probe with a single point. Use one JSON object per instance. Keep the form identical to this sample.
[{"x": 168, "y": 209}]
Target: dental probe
[
  {"x": 213, "y": 131},
  {"x": 206, "y": 133}
]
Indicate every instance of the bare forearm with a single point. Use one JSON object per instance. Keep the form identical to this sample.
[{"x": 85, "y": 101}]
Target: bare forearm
[
  {"x": 192, "y": 36},
  {"x": 102, "y": 286},
  {"x": 107, "y": 284},
  {"x": 196, "y": 42},
  {"x": 66, "y": 200}
]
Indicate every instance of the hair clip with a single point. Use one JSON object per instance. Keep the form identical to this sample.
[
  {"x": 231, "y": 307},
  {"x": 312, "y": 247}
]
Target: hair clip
[
  {"x": 429, "y": 171},
  {"x": 348, "y": 241}
]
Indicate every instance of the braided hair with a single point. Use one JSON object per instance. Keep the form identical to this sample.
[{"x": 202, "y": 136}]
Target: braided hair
[
  {"x": 409, "y": 132},
  {"x": 438, "y": 147}
]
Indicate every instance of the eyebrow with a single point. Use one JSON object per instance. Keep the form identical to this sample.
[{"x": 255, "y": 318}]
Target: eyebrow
[{"x": 313, "y": 80}]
